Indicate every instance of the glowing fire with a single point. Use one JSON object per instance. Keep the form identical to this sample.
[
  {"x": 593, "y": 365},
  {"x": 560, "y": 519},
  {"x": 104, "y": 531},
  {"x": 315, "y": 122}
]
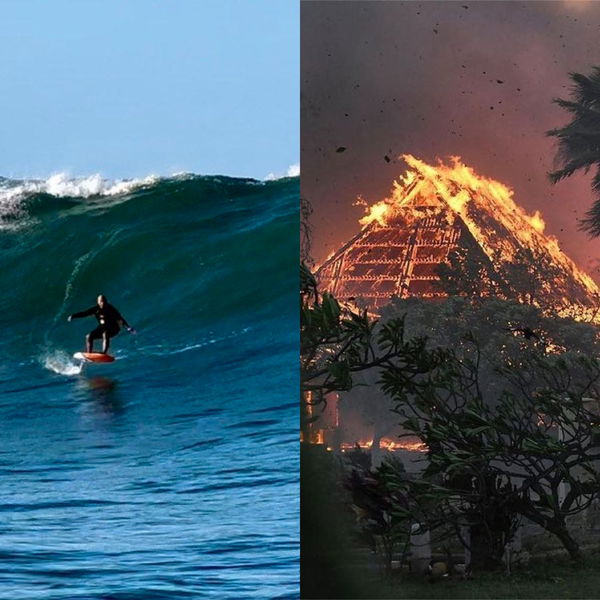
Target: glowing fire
[
  {"x": 410, "y": 444},
  {"x": 460, "y": 188},
  {"x": 537, "y": 222}
]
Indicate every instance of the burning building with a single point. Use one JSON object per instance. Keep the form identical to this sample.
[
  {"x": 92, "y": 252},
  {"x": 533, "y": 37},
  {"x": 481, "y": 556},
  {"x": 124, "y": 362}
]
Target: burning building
[
  {"x": 437, "y": 210},
  {"x": 433, "y": 212}
]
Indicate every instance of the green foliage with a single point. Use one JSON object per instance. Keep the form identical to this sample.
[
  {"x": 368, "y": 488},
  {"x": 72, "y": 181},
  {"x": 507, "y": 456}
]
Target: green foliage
[
  {"x": 506, "y": 416},
  {"x": 337, "y": 342},
  {"x": 456, "y": 323},
  {"x": 495, "y": 325},
  {"x": 381, "y": 506},
  {"x": 494, "y": 459},
  {"x": 529, "y": 277},
  {"x": 468, "y": 272}
]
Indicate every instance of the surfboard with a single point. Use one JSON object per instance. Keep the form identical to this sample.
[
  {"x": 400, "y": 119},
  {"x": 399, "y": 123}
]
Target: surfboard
[{"x": 95, "y": 357}]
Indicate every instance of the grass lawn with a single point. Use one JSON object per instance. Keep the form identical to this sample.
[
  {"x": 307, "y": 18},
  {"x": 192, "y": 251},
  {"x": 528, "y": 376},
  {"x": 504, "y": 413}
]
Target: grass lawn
[{"x": 553, "y": 577}]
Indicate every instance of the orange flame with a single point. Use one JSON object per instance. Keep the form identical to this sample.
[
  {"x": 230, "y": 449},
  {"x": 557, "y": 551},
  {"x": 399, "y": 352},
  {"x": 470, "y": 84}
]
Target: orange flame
[
  {"x": 537, "y": 222},
  {"x": 459, "y": 187},
  {"x": 412, "y": 445}
]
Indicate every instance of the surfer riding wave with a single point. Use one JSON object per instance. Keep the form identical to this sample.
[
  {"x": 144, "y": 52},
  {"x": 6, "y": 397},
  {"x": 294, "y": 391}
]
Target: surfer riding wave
[{"x": 110, "y": 321}]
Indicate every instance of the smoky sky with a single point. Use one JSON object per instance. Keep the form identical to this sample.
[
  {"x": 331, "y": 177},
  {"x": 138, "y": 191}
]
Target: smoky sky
[{"x": 440, "y": 79}]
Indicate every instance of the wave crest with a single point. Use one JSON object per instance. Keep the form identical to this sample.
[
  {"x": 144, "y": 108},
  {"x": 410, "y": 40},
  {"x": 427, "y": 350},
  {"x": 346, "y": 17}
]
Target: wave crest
[{"x": 61, "y": 185}]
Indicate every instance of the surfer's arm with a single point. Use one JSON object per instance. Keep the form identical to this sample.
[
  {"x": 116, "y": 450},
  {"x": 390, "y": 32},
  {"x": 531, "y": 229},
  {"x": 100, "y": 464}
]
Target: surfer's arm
[
  {"x": 125, "y": 324},
  {"x": 83, "y": 313}
]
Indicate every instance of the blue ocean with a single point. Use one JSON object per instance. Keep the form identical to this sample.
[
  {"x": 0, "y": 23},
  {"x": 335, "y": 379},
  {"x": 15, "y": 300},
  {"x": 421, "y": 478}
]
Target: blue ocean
[{"x": 172, "y": 472}]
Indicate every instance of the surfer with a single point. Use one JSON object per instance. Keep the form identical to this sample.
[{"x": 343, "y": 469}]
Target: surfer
[{"x": 110, "y": 322}]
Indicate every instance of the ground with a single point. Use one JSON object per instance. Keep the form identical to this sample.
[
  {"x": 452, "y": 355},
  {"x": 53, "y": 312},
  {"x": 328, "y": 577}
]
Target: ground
[{"x": 553, "y": 577}]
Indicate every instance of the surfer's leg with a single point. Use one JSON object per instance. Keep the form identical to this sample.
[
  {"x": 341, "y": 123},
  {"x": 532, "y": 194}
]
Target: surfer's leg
[
  {"x": 91, "y": 336},
  {"x": 105, "y": 341},
  {"x": 106, "y": 335}
]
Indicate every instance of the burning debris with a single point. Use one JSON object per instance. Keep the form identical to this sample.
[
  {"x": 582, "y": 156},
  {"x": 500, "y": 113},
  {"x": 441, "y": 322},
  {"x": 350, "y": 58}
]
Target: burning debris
[
  {"x": 434, "y": 211},
  {"x": 413, "y": 444}
]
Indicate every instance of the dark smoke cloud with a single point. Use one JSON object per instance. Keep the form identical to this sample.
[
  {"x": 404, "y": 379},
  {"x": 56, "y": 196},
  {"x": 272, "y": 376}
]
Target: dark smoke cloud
[{"x": 437, "y": 79}]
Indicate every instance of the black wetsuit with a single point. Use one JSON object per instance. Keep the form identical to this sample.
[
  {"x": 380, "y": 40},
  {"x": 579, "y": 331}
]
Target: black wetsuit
[{"x": 109, "y": 319}]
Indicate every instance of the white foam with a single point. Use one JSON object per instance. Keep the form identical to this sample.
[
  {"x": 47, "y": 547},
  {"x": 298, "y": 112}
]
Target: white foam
[
  {"x": 292, "y": 171},
  {"x": 61, "y": 362},
  {"x": 211, "y": 340},
  {"x": 194, "y": 346},
  {"x": 60, "y": 185}
]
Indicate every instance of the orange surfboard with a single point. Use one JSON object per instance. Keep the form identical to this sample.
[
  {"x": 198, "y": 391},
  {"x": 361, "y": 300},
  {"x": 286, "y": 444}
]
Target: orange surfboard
[{"x": 95, "y": 357}]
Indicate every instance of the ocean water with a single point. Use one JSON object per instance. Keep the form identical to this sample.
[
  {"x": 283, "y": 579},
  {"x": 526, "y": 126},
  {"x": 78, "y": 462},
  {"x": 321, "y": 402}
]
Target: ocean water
[{"x": 173, "y": 472}]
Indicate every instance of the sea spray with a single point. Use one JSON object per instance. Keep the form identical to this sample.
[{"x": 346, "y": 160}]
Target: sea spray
[{"x": 60, "y": 362}]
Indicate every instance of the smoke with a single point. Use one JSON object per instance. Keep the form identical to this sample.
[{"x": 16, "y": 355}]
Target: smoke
[
  {"x": 577, "y": 6},
  {"x": 436, "y": 79}
]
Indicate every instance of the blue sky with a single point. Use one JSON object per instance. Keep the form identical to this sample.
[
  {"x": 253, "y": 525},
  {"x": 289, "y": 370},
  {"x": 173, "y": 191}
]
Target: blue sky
[{"x": 127, "y": 88}]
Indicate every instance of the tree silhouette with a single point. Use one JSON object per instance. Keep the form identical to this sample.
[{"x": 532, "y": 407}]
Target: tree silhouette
[{"x": 579, "y": 140}]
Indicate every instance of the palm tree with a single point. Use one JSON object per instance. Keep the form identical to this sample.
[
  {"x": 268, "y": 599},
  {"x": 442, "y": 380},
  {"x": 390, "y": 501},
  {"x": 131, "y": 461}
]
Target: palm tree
[{"x": 579, "y": 140}]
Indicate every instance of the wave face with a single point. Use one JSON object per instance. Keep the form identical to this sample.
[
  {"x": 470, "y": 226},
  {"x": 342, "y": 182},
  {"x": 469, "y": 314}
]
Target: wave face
[{"x": 173, "y": 472}]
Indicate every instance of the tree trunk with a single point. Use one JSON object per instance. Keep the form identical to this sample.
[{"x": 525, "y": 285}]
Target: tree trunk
[
  {"x": 486, "y": 553},
  {"x": 569, "y": 543}
]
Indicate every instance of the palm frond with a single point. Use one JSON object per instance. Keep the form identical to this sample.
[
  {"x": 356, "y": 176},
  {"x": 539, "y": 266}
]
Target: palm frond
[
  {"x": 586, "y": 89},
  {"x": 591, "y": 222},
  {"x": 582, "y": 161},
  {"x": 596, "y": 182},
  {"x": 578, "y": 108},
  {"x": 578, "y": 147}
]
